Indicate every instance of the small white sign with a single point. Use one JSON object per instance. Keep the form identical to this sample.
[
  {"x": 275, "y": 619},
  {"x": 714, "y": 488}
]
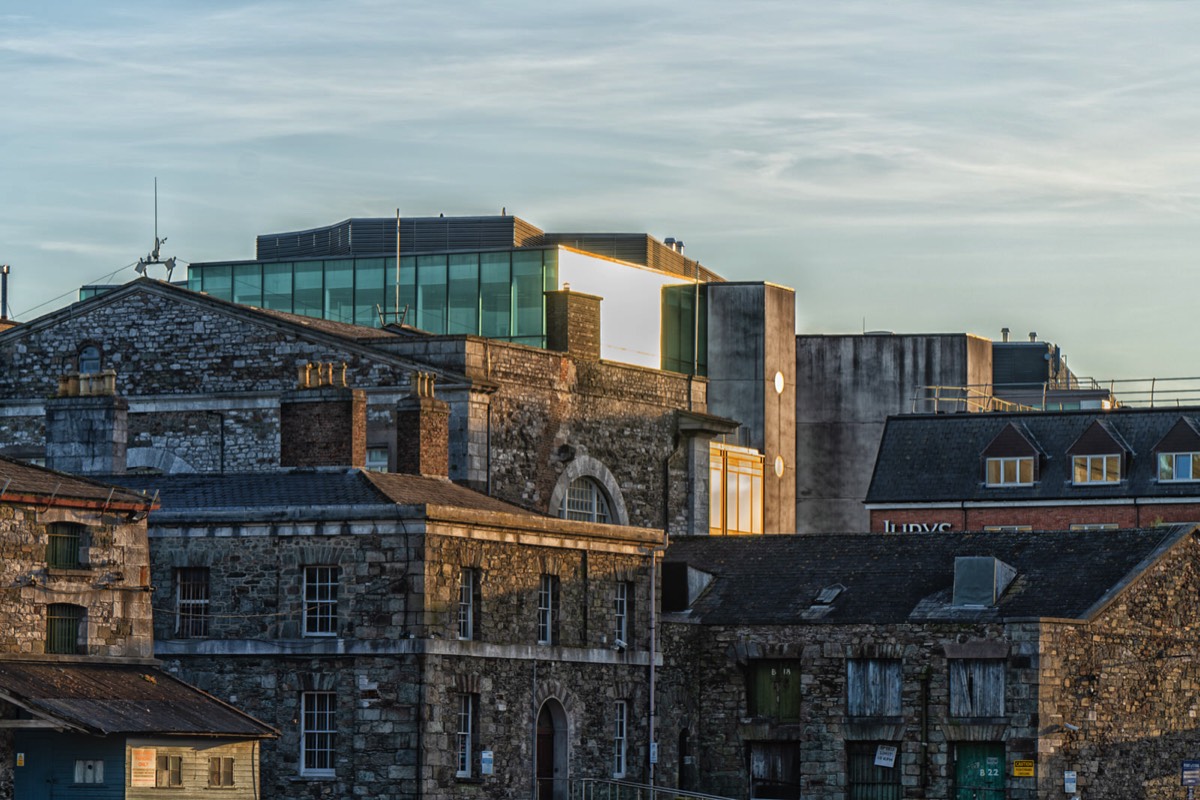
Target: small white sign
[
  {"x": 1069, "y": 781},
  {"x": 654, "y": 752},
  {"x": 885, "y": 756},
  {"x": 486, "y": 762}
]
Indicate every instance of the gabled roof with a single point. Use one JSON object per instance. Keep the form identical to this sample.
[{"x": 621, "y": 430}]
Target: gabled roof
[
  {"x": 1014, "y": 440},
  {"x": 106, "y": 699},
  {"x": 26, "y": 483},
  {"x": 896, "y": 578},
  {"x": 1100, "y": 438},
  {"x": 1184, "y": 437},
  {"x": 934, "y": 458}
]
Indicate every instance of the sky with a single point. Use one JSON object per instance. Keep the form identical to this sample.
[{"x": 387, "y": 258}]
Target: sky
[{"x": 916, "y": 167}]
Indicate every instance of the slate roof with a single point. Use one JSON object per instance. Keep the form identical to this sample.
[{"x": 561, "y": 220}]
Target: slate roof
[
  {"x": 307, "y": 489},
  {"x": 894, "y": 578},
  {"x": 927, "y": 458},
  {"x": 122, "y": 698},
  {"x": 20, "y": 480}
]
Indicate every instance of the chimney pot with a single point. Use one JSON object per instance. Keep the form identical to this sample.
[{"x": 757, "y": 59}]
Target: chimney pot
[
  {"x": 1004, "y": 334},
  {"x": 1033, "y": 336}
]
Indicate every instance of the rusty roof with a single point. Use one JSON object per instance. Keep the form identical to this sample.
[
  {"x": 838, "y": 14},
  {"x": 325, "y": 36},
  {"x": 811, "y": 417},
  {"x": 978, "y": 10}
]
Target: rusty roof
[
  {"x": 22, "y": 482},
  {"x": 122, "y": 698},
  {"x": 405, "y": 489}
]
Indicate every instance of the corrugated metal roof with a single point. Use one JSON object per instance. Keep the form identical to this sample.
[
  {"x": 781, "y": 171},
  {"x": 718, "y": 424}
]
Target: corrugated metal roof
[
  {"x": 123, "y": 698},
  {"x": 27, "y": 480}
]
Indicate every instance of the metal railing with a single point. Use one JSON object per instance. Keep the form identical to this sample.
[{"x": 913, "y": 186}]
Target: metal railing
[
  {"x": 609, "y": 789},
  {"x": 1129, "y": 392}
]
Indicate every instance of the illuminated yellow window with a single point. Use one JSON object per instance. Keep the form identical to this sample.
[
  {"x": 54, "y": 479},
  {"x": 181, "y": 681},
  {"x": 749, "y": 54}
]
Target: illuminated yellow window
[{"x": 735, "y": 490}]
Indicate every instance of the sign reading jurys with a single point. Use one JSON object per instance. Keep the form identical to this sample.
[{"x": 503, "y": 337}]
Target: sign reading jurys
[{"x": 915, "y": 527}]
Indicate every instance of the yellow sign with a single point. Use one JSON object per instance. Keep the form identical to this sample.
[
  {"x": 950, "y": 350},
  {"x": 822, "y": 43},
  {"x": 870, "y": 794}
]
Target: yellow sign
[
  {"x": 20, "y": 759},
  {"x": 142, "y": 766},
  {"x": 1023, "y": 769}
]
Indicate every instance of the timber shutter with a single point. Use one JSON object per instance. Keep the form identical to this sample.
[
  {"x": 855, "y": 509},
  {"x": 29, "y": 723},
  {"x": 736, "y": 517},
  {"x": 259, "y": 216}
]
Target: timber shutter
[
  {"x": 976, "y": 687},
  {"x": 873, "y": 687}
]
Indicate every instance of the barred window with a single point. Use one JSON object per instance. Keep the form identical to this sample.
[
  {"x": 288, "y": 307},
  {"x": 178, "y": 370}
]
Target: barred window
[
  {"x": 63, "y": 625},
  {"x": 317, "y": 730},
  {"x": 191, "y": 602},
  {"x": 320, "y": 601},
  {"x": 66, "y": 539}
]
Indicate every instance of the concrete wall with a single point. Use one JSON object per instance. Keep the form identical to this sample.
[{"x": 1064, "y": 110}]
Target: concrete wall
[
  {"x": 751, "y": 337},
  {"x": 846, "y": 386}
]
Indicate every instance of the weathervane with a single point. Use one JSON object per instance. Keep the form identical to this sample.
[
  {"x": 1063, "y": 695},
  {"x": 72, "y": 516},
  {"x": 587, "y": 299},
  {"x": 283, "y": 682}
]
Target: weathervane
[{"x": 153, "y": 258}]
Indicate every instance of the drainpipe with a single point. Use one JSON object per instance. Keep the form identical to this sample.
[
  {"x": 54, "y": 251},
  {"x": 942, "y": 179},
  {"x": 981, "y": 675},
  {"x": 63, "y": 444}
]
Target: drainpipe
[
  {"x": 654, "y": 551},
  {"x": 925, "y": 732}
]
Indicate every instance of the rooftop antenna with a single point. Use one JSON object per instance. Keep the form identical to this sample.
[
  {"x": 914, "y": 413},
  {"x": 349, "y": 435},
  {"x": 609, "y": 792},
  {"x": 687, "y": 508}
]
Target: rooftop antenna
[
  {"x": 153, "y": 258},
  {"x": 3, "y": 291}
]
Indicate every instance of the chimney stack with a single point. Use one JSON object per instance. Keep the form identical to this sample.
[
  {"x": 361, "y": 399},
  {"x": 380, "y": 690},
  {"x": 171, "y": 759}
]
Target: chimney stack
[
  {"x": 1033, "y": 336},
  {"x": 573, "y": 324},
  {"x": 87, "y": 426},
  {"x": 1004, "y": 335},
  {"x": 423, "y": 431},
  {"x": 323, "y": 422}
]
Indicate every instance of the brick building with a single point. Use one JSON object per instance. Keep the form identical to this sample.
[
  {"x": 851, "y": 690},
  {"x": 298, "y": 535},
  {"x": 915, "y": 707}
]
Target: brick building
[
  {"x": 1124, "y": 468},
  {"x": 941, "y": 665},
  {"x": 84, "y": 709}
]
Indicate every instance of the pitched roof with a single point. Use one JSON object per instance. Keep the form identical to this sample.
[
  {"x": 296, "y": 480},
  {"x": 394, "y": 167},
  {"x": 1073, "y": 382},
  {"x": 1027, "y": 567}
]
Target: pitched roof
[
  {"x": 122, "y": 698},
  {"x": 302, "y": 491},
  {"x": 927, "y": 458},
  {"x": 22, "y": 482},
  {"x": 894, "y": 578}
]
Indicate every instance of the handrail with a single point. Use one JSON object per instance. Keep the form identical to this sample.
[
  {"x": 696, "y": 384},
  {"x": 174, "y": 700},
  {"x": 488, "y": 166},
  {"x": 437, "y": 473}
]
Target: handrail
[{"x": 613, "y": 789}]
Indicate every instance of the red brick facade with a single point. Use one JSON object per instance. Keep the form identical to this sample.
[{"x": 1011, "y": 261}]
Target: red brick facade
[{"x": 1127, "y": 514}]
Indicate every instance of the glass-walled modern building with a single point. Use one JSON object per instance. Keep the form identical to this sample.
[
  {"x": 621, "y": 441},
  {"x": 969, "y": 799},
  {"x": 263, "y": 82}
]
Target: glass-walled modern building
[{"x": 497, "y": 294}]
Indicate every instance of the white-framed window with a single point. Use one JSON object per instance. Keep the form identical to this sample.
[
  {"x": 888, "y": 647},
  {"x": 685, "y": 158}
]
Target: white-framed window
[
  {"x": 1007, "y": 528},
  {"x": 220, "y": 771},
  {"x": 620, "y": 720},
  {"x": 976, "y": 687},
  {"x": 1093, "y": 526},
  {"x": 89, "y": 771},
  {"x": 873, "y": 687},
  {"x": 169, "y": 772},
  {"x": 468, "y": 707},
  {"x": 1178, "y": 467},
  {"x": 320, "y": 601},
  {"x": 1097, "y": 469},
  {"x": 621, "y": 609},
  {"x": 586, "y": 501},
  {"x": 317, "y": 730},
  {"x": 191, "y": 602},
  {"x": 548, "y": 610},
  {"x": 377, "y": 459},
  {"x": 468, "y": 603},
  {"x": 1010, "y": 471}
]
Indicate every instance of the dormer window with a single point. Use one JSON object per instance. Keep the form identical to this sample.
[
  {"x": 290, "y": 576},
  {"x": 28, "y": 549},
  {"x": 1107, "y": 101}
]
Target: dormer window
[
  {"x": 1098, "y": 456},
  {"x": 1179, "y": 467},
  {"x": 1010, "y": 471},
  {"x": 1179, "y": 453},
  {"x": 1097, "y": 469}
]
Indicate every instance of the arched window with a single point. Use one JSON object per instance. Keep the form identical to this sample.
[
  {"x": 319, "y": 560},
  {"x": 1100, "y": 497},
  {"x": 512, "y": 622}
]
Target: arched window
[
  {"x": 586, "y": 501},
  {"x": 89, "y": 359}
]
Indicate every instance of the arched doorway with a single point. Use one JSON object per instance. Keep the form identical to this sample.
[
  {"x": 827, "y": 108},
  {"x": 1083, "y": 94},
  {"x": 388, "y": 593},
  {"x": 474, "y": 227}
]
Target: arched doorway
[{"x": 550, "y": 753}]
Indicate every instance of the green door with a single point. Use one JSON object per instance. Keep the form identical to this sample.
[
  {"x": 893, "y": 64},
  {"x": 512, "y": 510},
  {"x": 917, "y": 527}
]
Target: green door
[{"x": 979, "y": 771}]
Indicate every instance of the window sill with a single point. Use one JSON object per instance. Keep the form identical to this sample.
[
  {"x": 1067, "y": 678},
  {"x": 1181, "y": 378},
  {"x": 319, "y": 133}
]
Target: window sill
[
  {"x": 468, "y": 779},
  {"x": 82, "y": 571},
  {"x": 322, "y": 778}
]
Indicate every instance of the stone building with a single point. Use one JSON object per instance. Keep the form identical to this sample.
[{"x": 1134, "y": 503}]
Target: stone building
[
  {"x": 936, "y": 665},
  {"x": 84, "y": 709},
  {"x": 1053, "y": 470},
  {"x": 408, "y": 636}
]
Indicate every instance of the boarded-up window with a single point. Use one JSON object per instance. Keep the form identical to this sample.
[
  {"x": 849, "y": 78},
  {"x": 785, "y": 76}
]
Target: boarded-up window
[
  {"x": 873, "y": 687},
  {"x": 976, "y": 687},
  {"x": 773, "y": 689},
  {"x": 170, "y": 771},
  {"x": 775, "y": 770},
  {"x": 867, "y": 780}
]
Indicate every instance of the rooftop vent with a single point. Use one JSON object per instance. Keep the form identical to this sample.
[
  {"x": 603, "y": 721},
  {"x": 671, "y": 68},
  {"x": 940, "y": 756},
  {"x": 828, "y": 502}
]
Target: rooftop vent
[
  {"x": 980, "y": 580},
  {"x": 1004, "y": 334}
]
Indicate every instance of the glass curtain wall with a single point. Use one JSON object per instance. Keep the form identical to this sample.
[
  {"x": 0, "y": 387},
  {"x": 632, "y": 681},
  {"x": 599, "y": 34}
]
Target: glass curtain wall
[{"x": 494, "y": 294}]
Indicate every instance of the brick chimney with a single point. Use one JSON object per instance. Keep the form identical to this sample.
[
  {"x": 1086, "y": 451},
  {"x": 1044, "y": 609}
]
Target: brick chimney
[
  {"x": 87, "y": 425},
  {"x": 573, "y": 323},
  {"x": 323, "y": 422},
  {"x": 423, "y": 431}
]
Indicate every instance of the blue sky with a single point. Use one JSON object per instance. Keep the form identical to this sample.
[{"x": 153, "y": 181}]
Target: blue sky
[{"x": 916, "y": 166}]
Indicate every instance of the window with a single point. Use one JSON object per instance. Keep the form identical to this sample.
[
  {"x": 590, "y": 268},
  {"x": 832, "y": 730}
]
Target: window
[
  {"x": 317, "y": 728},
  {"x": 548, "y": 610},
  {"x": 191, "y": 602},
  {"x": 88, "y": 771},
  {"x": 1010, "y": 471},
  {"x": 377, "y": 459},
  {"x": 320, "y": 601},
  {"x": 620, "y": 718},
  {"x": 469, "y": 603},
  {"x": 976, "y": 687},
  {"x": 1093, "y": 526},
  {"x": 774, "y": 770},
  {"x": 1007, "y": 528},
  {"x": 735, "y": 490},
  {"x": 773, "y": 689},
  {"x": 622, "y": 611},
  {"x": 1097, "y": 469},
  {"x": 468, "y": 708},
  {"x": 63, "y": 624},
  {"x": 64, "y": 544},
  {"x": 586, "y": 501},
  {"x": 89, "y": 359},
  {"x": 169, "y": 772},
  {"x": 873, "y": 687},
  {"x": 1178, "y": 467},
  {"x": 865, "y": 779},
  {"x": 220, "y": 771}
]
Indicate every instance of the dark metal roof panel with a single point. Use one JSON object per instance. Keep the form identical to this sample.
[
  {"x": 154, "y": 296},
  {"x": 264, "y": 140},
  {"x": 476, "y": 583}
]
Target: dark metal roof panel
[
  {"x": 120, "y": 698},
  {"x": 377, "y": 236},
  {"x": 19, "y": 478}
]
